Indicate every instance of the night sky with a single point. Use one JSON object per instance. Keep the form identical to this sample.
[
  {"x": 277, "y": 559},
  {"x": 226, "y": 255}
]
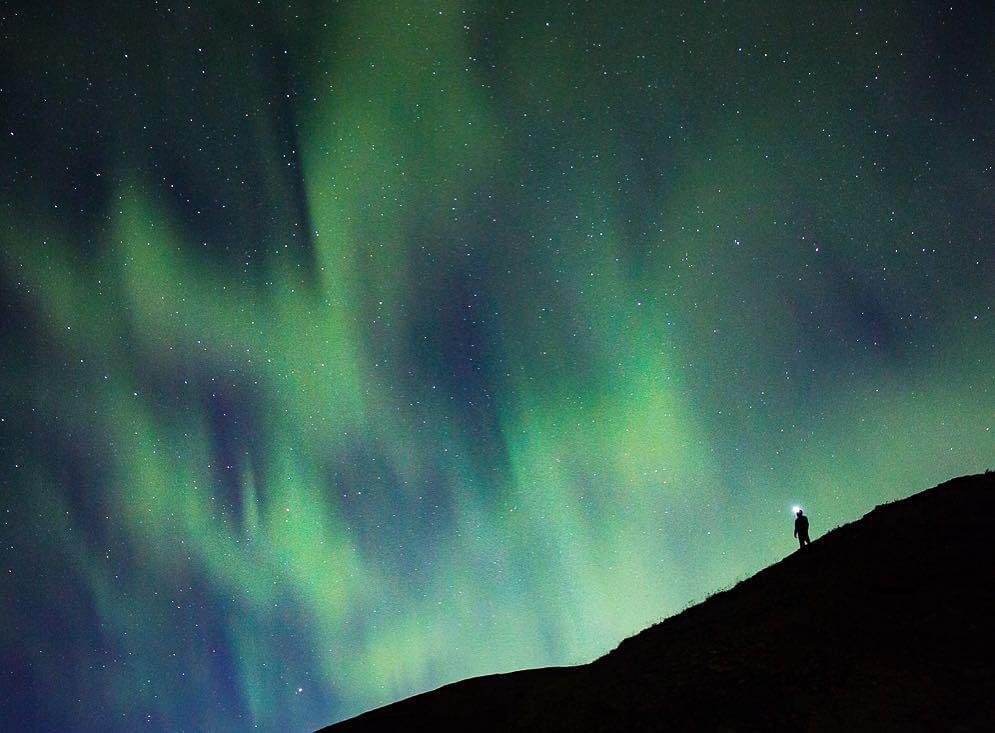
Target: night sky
[{"x": 354, "y": 348}]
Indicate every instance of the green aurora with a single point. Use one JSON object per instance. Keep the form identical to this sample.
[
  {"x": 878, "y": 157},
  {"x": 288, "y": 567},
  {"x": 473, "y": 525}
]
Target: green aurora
[{"x": 355, "y": 348}]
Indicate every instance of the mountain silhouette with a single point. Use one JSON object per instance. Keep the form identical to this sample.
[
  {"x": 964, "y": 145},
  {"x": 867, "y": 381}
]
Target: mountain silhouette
[{"x": 881, "y": 624}]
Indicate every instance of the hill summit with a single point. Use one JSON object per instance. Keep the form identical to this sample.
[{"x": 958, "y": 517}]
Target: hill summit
[{"x": 881, "y": 624}]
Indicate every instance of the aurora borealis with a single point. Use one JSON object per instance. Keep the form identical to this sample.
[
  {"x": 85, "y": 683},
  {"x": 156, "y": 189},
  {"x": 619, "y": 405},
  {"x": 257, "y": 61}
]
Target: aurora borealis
[{"x": 354, "y": 348}]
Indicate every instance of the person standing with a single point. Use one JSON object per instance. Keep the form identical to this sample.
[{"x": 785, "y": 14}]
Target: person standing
[{"x": 801, "y": 528}]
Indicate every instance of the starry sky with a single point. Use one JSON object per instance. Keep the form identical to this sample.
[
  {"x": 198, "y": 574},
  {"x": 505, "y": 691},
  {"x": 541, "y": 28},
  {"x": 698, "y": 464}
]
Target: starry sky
[{"x": 354, "y": 348}]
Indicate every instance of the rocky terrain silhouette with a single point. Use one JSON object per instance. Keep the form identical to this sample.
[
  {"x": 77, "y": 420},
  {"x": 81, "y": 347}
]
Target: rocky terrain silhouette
[{"x": 881, "y": 624}]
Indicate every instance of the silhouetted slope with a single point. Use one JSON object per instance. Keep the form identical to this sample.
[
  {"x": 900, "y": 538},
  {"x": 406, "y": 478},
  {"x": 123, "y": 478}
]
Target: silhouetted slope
[{"x": 882, "y": 624}]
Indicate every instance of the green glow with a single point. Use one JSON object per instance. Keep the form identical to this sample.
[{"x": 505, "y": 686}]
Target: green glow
[{"x": 546, "y": 354}]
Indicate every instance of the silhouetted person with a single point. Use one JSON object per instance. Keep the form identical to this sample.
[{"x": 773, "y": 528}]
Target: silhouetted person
[{"x": 801, "y": 528}]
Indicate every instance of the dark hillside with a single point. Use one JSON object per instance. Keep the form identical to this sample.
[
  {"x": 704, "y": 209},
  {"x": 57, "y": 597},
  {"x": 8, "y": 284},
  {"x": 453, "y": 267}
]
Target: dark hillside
[{"x": 882, "y": 624}]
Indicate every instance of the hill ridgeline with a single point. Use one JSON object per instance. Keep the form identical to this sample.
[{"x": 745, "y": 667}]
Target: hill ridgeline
[{"x": 882, "y": 624}]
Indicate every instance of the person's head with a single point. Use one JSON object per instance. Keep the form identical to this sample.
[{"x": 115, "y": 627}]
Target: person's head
[{"x": 799, "y": 513}]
